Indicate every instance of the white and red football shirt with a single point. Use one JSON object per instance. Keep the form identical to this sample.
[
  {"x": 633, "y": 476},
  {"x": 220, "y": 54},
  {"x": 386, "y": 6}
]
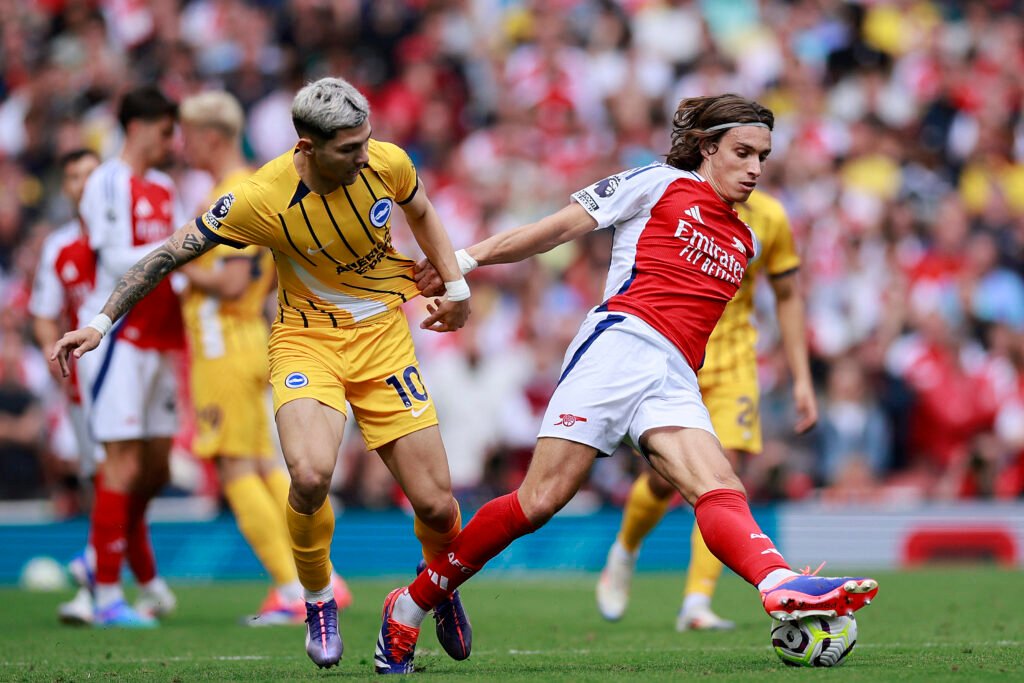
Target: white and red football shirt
[
  {"x": 678, "y": 255},
  {"x": 65, "y": 276},
  {"x": 122, "y": 211}
]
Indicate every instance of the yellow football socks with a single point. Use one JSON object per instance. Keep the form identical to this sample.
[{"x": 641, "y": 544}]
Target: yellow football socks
[
  {"x": 311, "y": 545},
  {"x": 278, "y": 482},
  {"x": 436, "y": 542},
  {"x": 643, "y": 512},
  {"x": 261, "y": 522},
  {"x": 705, "y": 568}
]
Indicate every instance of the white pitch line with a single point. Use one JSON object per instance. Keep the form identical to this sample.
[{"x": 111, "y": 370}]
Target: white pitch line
[{"x": 540, "y": 653}]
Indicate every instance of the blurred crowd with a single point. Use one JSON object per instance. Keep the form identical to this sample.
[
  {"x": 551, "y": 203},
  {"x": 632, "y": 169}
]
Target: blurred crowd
[{"x": 898, "y": 153}]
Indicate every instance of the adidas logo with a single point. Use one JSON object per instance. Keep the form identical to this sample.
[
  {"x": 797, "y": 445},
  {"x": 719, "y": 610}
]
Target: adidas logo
[
  {"x": 438, "y": 580},
  {"x": 694, "y": 213}
]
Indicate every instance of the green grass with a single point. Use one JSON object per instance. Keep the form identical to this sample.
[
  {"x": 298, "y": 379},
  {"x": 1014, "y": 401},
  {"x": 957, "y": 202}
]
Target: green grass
[{"x": 948, "y": 624}]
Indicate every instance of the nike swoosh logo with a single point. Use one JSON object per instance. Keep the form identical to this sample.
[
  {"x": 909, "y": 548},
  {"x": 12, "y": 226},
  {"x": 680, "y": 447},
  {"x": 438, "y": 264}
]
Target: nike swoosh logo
[
  {"x": 417, "y": 413},
  {"x": 313, "y": 252}
]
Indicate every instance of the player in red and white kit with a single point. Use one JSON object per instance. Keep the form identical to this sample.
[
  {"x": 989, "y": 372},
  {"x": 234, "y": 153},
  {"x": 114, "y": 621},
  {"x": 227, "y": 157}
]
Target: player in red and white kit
[
  {"x": 130, "y": 385},
  {"x": 65, "y": 276},
  {"x": 679, "y": 254}
]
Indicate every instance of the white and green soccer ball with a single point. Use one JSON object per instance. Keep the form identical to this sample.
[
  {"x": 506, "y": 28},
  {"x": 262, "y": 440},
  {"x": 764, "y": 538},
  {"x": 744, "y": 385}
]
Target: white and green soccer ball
[
  {"x": 814, "y": 641},
  {"x": 43, "y": 574}
]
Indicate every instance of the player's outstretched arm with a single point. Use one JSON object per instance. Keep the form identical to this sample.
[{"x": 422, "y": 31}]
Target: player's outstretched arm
[
  {"x": 531, "y": 239},
  {"x": 181, "y": 247},
  {"x": 513, "y": 245}
]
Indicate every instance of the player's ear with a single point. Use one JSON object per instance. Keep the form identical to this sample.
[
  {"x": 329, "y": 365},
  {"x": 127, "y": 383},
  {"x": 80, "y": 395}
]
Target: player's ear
[{"x": 305, "y": 146}]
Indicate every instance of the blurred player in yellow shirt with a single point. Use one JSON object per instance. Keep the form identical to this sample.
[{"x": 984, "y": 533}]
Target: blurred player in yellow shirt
[
  {"x": 729, "y": 388},
  {"x": 224, "y": 318}
]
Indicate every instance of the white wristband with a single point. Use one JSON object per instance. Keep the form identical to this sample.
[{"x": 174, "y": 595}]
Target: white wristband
[
  {"x": 457, "y": 290},
  {"x": 466, "y": 262},
  {"x": 101, "y": 323}
]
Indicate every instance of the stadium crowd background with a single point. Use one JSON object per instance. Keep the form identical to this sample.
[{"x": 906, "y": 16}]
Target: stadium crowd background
[{"x": 899, "y": 155}]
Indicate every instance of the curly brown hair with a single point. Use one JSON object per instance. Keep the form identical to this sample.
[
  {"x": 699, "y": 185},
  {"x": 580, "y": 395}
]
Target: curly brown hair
[{"x": 696, "y": 114}]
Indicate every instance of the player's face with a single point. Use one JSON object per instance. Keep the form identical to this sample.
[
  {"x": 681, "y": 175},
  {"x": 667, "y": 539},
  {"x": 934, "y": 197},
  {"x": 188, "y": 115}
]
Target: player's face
[
  {"x": 75, "y": 175},
  {"x": 734, "y": 168},
  {"x": 196, "y": 143},
  {"x": 157, "y": 138},
  {"x": 341, "y": 158}
]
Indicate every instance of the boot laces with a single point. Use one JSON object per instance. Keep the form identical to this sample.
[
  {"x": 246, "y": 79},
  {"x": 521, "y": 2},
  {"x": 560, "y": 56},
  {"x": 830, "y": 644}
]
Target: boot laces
[
  {"x": 806, "y": 571},
  {"x": 401, "y": 639}
]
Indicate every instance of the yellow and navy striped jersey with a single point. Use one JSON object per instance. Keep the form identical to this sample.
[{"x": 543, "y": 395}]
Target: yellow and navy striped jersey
[
  {"x": 335, "y": 261},
  {"x": 731, "y": 348},
  {"x": 218, "y": 327}
]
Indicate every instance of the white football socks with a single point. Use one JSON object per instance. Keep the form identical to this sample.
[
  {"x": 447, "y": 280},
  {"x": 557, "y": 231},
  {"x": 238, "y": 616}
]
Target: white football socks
[
  {"x": 322, "y": 595},
  {"x": 291, "y": 591},
  {"x": 407, "y": 611},
  {"x": 696, "y": 601},
  {"x": 156, "y": 585},
  {"x": 775, "y": 578},
  {"x": 619, "y": 553},
  {"x": 107, "y": 594}
]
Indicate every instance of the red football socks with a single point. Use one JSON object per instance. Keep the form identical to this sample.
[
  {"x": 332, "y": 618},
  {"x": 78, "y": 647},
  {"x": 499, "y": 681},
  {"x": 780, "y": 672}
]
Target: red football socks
[
  {"x": 732, "y": 535},
  {"x": 492, "y": 529},
  {"x": 109, "y": 533},
  {"x": 139, "y": 549}
]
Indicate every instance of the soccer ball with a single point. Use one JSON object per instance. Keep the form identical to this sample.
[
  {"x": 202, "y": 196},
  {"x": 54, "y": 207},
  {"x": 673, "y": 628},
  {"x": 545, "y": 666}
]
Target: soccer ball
[
  {"x": 43, "y": 574},
  {"x": 814, "y": 641}
]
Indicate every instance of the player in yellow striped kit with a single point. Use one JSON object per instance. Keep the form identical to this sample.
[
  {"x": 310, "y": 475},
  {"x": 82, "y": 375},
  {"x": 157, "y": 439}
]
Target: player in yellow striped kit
[
  {"x": 324, "y": 208},
  {"x": 223, "y": 309},
  {"x": 729, "y": 388}
]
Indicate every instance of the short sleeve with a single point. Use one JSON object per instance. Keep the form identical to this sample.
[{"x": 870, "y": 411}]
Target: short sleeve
[
  {"x": 47, "y": 299},
  {"x": 233, "y": 220},
  {"x": 619, "y": 197},
  {"x": 105, "y": 210},
  {"x": 399, "y": 172},
  {"x": 780, "y": 254}
]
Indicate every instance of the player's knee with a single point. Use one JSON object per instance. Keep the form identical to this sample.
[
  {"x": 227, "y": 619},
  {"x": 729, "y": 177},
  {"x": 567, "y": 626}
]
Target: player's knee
[
  {"x": 436, "y": 512},
  {"x": 122, "y": 474},
  {"x": 308, "y": 483}
]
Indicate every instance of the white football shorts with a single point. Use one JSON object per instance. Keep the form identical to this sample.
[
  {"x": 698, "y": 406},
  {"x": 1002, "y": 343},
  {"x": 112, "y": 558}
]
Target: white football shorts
[
  {"x": 128, "y": 392},
  {"x": 621, "y": 378}
]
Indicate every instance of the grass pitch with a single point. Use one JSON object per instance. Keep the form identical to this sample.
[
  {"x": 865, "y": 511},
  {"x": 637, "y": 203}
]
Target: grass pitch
[{"x": 948, "y": 624}]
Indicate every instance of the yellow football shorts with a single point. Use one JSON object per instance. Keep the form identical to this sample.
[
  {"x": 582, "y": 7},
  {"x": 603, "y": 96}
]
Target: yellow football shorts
[
  {"x": 231, "y": 416},
  {"x": 734, "y": 406},
  {"x": 373, "y": 366}
]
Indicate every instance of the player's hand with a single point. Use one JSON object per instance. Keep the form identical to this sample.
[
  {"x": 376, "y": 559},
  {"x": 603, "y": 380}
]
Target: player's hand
[
  {"x": 74, "y": 343},
  {"x": 806, "y": 407},
  {"x": 428, "y": 280},
  {"x": 56, "y": 373},
  {"x": 446, "y": 316}
]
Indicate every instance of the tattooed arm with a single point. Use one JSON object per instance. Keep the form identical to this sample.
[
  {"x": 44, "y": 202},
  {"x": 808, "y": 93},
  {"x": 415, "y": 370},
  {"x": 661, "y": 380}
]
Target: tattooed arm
[{"x": 141, "y": 279}]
